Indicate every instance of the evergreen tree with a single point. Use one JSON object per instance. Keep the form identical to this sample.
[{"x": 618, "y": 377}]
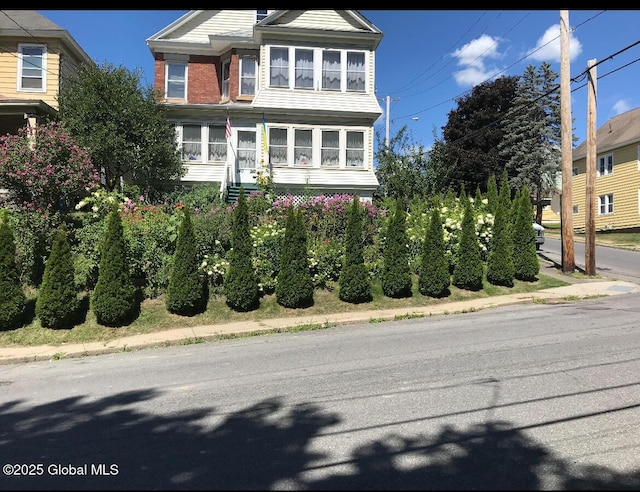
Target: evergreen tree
[
  {"x": 354, "y": 281},
  {"x": 396, "y": 272},
  {"x": 241, "y": 284},
  {"x": 12, "y": 297},
  {"x": 525, "y": 258},
  {"x": 294, "y": 288},
  {"x": 114, "y": 297},
  {"x": 185, "y": 293},
  {"x": 434, "y": 278},
  {"x": 500, "y": 267},
  {"x": 492, "y": 194},
  {"x": 469, "y": 269},
  {"x": 57, "y": 303}
]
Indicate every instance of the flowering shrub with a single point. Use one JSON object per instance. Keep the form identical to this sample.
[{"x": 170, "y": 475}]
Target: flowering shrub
[
  {"x": 44, "y": 169},
  {"x": 267, "y": 246}
]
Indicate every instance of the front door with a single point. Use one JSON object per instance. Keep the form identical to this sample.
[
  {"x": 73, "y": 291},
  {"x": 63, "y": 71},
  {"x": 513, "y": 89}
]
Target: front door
[{"x": 246, "y": 157}]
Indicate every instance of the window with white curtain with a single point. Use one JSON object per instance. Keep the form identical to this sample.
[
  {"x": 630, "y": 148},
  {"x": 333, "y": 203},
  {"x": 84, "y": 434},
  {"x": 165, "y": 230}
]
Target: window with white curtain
[
  {"x": 303, "y": 148},
  {"x": 217, "y": 144},
  {"x": 331, "y": 70},
  {"x": 32, "y": 67},
  {"x": 304, "y": 69},
  {"x": 605, "y": 165},
  {"x": 279, "y": 67},
  {"x": 176, "y": 77},
  {"x": 278, "y": 145},
  {"x": 191, "y": 143},
  {"x": 355, "y": 71},
  {"x": 605, "y": 204},
  {"x": 247, "y": 76},
  {"x": 225, "y": 78},
  {"x": 246, "y": 149},
  {"x": 330, "y": 150},
  {"x": 355, "y": 149}
]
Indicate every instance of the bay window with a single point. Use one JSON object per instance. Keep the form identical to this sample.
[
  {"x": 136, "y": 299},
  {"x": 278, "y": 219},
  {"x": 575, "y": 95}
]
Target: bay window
[
  {"x": 331, "y": 70},
  {"x": 304, "y": 69},
  {"x": 217, "y": 144},
  {"x": 225, "y": 79},
  {"x": 278, "y": 145},
  {"x": 330, "y": 149},
  {"x": 355, "y": 149},
  {"x": 31, "y": 67},
  {"x": 356, "y": 73},
  {"x": 247, "y": 76},
  {"x": 279, "y": 67},
  {"x": 191, "y": 143},
  {"x": 303, "y": 148}
]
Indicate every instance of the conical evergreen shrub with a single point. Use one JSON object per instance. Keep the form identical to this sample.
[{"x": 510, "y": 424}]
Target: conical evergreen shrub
[
  {"x": 525, "y": 257},
  {"x": 114, "y": 297},
  {"x": 469, "y": 269},
  {"x": 294, "y": 288},
  {"x": 57, "y": 303},
  {"x": 396, "y": 271},
  {"x": 185, "y": 293},
  {"x": 354, "y": 283},
  {"x": 12, "y": 297},
  {"x": 241, "y": 283},
  {"x": 434, "y": 278},
  {"x": 492, "y": 194},
  {"x": 500, "y": 267}
]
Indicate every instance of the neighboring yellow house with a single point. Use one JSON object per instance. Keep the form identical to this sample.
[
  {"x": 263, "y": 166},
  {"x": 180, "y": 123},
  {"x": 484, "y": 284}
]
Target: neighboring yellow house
[
  {"x": 36, "y": 57},
  {"x": 617, "y": 182}
]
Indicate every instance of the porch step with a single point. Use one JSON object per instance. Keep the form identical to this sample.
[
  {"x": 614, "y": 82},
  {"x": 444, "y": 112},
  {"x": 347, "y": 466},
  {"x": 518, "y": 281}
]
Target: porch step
[{"x": 233, "y": 191}]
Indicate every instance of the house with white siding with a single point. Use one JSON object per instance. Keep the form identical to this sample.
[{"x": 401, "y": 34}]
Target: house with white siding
[{"x": 288, "y": 94}]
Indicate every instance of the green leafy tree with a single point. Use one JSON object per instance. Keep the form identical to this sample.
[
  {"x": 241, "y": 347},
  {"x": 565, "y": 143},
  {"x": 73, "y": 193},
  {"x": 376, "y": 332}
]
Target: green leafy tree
[
  {"x": 469, "y": 269},
  {"x": 396, "y": 272},
  {"x": 108, "y": 111},
  {"x": 500, "y": 267},
  {"x": 12, "y": 297},
  {"x": 294, "y": 288},
  {"x": 354, "y": 284},
  {"x": 57, "y": 303},
  {"x": 186, "y": 293},
  {"x": 434, "y": 278},
  {"x": 241, "y": 283},
  {"x": 525, "y": 258},
  {"x": 472, "y": 133},
  {"x": 114, "y": 298}
]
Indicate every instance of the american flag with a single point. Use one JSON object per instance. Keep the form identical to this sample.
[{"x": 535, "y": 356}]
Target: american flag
[{"x": 227, "y": 131}]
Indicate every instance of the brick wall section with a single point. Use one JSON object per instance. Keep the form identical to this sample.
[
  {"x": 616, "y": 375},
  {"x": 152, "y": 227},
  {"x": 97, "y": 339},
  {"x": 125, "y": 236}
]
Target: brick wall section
[
  {"x": 203, "y": 84},
  {"x": 158, "y": 73},
  {"x": 234, "y": 77}
]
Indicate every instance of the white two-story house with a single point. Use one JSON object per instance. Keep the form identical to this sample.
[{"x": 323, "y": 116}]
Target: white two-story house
[{"x": 283, "y": 93}]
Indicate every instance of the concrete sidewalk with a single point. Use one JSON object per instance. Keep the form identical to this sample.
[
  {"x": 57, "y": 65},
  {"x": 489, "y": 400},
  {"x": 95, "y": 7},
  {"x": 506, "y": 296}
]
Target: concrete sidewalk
[{"x": 578, "y": 289}]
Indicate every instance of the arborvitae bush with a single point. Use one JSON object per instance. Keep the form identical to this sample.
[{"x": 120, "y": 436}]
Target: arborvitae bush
[
  {"x": 492, "y": 194},
  {"x": 241, "y": 283},
  {"x": 114, "y": 297},
  {"x": 525, "y": 257},
  {"x": 469, "y": 269},
  {"x": 500, "y": 267},
  {"x": 294, "y": 287},
  {"x": 434, "y": 278},
  {"x": 185, "y": 293},
  {"x": 12, "y": 297},
  {"x": 354, "y": 281},
  {"x": 396, "y": 271},
  {"x": 57, "y": 303}
]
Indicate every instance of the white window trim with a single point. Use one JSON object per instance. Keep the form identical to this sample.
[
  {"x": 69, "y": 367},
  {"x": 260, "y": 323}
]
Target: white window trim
[
  {"x": 607, "y": 201},
  {"x": 21, "y": 47},
  {"x": 317, "y": 68},
  {"x": 606, "y": 171},
  {"x": 204, "y": 140},
  {"x": 166, "y": 79}
]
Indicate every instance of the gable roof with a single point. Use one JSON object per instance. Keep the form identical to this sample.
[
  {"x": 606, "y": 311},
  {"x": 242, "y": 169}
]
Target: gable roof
[
  {"x": 620, "y": 130},
  {"x": 32, "y": 25}
]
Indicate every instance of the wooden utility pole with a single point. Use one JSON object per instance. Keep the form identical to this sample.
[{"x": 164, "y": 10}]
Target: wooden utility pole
[
  {"x": 566, "y": 230},
  {"x": 590, "y": 198}
]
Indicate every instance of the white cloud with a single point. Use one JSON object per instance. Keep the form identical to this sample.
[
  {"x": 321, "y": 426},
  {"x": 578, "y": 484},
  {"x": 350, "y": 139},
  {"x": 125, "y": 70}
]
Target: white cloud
[
  {"x": 472, "y": 57},
  {"x": 547, "y": 47},
  {"x": 621, "y": 106}
]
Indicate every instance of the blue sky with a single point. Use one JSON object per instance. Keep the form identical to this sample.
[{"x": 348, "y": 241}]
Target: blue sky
[{"x": 429, "y": 58}]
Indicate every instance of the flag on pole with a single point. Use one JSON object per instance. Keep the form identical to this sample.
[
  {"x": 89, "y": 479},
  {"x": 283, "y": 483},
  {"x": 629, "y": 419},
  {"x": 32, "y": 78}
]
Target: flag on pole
[
  {"x": 227, "y": 131},
  {"x": 265, "y": 143}
]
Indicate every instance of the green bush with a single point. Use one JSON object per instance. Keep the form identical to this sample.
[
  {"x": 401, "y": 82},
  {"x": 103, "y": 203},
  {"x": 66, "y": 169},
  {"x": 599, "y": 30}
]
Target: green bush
[
  {"x": 469, "y": 269},
  {"x": 241, "y": 284},
  {"x": 57, "y": 303},
  {"x": 354, "y": 283},
  {"x": 396, "y": 272},
  {"x": 525, "y": 258},
  {"x": 186, "y": 292},
  {"x": 434, "y": 277},
  {"x": 113, "y": 300},
  {"x": 12, "y": 297},
  {"x": 294, "y": 288},
  {"x": 500, "y": 267}
]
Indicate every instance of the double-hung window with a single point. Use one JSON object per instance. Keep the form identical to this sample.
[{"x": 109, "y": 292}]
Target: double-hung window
[
  {"x": 355, "y": 71},
  {"x": 191, "y": 143},
  {"x": 176, "y": 80},
  {"x": 304, "y": 69},
  {"x": 330, "y": 150},
  {"x": 225, "y": 79},
  {"x": 355, "y": 149},
  {"x": 217, "y": 144},
  {"x": 331, "y": 70},
  {"x": 247, "y": 76},
  {"x": 605, "y": 204},
  {"x": 279, "y": 67},
  {"x": 261, "y": 14},
  {"x": 303, "y": 148},
  {"x": 32, "y": 67},
  {"x": 278, "y": 145},
  {"x": 605, "y": 165}
]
